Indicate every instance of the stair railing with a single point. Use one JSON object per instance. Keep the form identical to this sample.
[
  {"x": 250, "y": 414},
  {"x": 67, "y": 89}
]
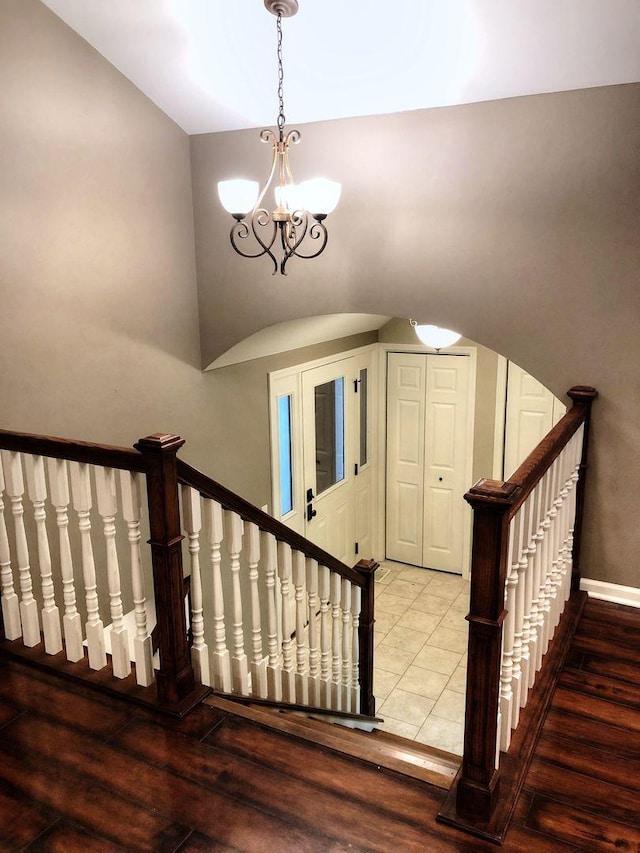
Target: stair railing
[
  {"x": 76, "y": 511},
  {"x": 524, "y": 567},
  {"x": 300, "y": 631}
]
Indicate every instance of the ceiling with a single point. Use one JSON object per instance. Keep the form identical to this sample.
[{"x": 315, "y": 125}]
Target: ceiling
[{"x": 211, "y": 64}]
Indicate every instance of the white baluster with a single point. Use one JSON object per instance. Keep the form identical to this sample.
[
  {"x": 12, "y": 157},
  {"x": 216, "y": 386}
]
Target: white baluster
[
  {"x": 37, "y": 488},
  {"x": 258, "y": 661},
  {"x": 547, "y": 526},
  {"x": 315, "y": 698},
  {"x": 71, "y": 623},
  {"x": 220, "y": 657},
  {"x": 325, "y": 636},
  {"x": 14, "y": 485},
  {"x": 347, "y": 638},
  {"x": 94, "y": 628},
  {"x": 302, "y": 678},
  {"x": 132, "y": 513},
  {"x": 274, "y": 669},
  {"x": 531, "y": 613},
  {"x": 10, "y": 603},
  {"x": 336, "y": 625},
  {"x": 192, "y": 520},
  {"x": 545, "y": 563},
  {"x": 107, "y": 507},
  {"x": 356, "y": 604},
  {"x": 239, "y": 663},
  {"x": 288, "y": 672},
  {"x": 535, "y": 638}
]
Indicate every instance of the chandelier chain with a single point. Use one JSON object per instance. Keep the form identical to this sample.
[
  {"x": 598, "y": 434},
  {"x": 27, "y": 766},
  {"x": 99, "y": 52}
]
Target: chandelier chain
[{"x": 281, "y": 119}]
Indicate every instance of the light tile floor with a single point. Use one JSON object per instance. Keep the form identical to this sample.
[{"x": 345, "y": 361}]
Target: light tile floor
[{"x": 420, "y": 659}]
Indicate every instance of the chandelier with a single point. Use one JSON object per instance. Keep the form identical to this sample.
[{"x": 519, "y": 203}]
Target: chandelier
[
  {"x": 434, "y": 336},
  {"x": 300, "y": 209}
]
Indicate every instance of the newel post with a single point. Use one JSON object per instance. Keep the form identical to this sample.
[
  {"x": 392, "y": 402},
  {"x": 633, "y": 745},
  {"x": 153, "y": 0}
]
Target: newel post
[
  {"x": 367, "y": 569},
  {"x": 175, "y": 679},
  {"x": 478, "y": 783},
  {"x": 582, "y": 395}
]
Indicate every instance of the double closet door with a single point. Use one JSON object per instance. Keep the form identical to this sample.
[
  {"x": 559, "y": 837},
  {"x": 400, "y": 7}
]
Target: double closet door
[{"x": 429, "y": 454}]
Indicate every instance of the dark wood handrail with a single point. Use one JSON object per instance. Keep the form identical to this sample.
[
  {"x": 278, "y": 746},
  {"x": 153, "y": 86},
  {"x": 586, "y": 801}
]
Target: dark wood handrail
[
  {"x": 208, "y": 488},
  {"x": 494, "y": 504},
  {"x": 104, "y": 455}
]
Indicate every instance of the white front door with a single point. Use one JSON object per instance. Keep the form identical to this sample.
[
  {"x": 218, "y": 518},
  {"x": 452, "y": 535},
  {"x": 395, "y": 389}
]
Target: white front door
[
  {"x": 429, "y": 451},
  {"x": 328, "y": 416}
]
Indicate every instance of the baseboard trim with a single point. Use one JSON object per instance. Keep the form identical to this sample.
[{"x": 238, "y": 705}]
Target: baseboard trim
[{"x": 614, "y": 592}]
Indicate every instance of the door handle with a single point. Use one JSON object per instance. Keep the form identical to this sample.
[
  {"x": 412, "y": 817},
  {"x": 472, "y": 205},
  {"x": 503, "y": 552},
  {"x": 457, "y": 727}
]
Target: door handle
[
  {"x": 311, "y": 513},
  {"x": 310, "y": 495}
]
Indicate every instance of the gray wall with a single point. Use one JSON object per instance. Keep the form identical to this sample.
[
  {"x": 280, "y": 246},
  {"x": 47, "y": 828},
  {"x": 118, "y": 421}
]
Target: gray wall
[{"x": 516, "y": 222}]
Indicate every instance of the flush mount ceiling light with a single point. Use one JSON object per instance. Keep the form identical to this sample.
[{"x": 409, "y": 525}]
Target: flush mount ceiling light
[
  {"x": 434, "y": 336},
  {"x": 283, "y": 229}
]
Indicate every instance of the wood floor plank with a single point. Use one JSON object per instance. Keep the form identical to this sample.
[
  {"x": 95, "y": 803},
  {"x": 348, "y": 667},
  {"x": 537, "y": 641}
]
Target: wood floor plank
[
  {"x": 590, "y": 761},
  {"x": 585, "y": 792},
  {"x": 81, "y": 801},
  {"x": 327, "y": 770},
  {"x": 605, "y": 647},
  {"x": 583, "y": 828},
  {"x": 598, "y": 710},
  {"x": 602, "y": 686},
  {"x": 577, "y": 728},
  {"x": 320, "y": 809},
  {"x": 144, "y": 786},
  {"x": 609, "y": 613},
  {"x": 65, "y": 838},
  {"x": 606, "y": 666},
  {"x": 21, "y": 821},
  {"x": 199, "y": 843},
  {"x": 30, "y": 689}
]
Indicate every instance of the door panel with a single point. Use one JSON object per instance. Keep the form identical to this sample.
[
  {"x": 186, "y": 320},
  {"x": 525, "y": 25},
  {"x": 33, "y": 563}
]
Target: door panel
[
  {"x": 405, "y": 456},
  {"x": 328, "y": 422},
  {"x": 531, "y": 411},
  {"x": 428, "y": 446}
]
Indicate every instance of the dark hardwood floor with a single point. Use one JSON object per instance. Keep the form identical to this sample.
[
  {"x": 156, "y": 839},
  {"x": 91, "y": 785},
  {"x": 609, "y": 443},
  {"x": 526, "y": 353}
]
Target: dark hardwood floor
[{"x": 80, "y": 772}]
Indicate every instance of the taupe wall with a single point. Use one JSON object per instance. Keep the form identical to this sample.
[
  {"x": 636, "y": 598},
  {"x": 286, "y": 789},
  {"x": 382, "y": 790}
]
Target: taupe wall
[
  {"x": 98, "y": 305},
  {"x": 516, "y": 222}
]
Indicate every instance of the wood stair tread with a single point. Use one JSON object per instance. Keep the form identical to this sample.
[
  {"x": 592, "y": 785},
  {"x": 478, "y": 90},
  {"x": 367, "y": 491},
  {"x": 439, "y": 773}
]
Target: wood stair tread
[{"x": 383, "y": 749}]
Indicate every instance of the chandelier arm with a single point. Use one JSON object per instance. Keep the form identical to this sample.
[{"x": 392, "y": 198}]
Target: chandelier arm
[
  {"x": 240, "y": 231},
  {"x": 317, "y": 231}
]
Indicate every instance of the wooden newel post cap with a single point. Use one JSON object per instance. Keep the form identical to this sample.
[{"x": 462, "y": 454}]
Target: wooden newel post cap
[
  {"x": 582, "y": 394},
  {"x": 160, "y": 442}
]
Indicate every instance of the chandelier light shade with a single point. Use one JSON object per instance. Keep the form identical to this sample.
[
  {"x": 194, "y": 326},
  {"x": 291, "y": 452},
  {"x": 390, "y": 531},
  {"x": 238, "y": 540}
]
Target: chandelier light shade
[
  {"x": 434, "y": 336},
  {"x": 294, "y": 226}
]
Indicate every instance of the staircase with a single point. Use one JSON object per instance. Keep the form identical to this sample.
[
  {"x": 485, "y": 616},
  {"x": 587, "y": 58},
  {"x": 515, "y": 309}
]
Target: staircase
[{"x": 248, "y": 611}]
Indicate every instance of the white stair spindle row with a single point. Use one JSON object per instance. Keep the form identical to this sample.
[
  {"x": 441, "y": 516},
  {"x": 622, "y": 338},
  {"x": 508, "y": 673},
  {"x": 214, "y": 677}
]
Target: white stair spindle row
[
  {"x": 82, "y": 502},
  {"x": 347, "y": 639},
  {"x": 302, "y": 680},
  {"x": 356, "y": 598},
  {"x": 37, "y": 489},
  {"x": 324, "y": 587},
  {"x": 71, "y": 623},
  {"x": 313, "y": 601},
  {"x": 10, "y": 602},
  {"x": 192, "y": 516},
  {"x": 270, "y": 555},
  {"x": 288, "y": 671},
  {"x": 258, "y": 661},
  {"x": 132, "y": 514},
  {"x": 107, "y": 508},
  {"x": 336, "y": 626},
  {"x": 14, "y": 486},
  {"x": 234, "y": 529},
  {"x": 221, "y": 660}
]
